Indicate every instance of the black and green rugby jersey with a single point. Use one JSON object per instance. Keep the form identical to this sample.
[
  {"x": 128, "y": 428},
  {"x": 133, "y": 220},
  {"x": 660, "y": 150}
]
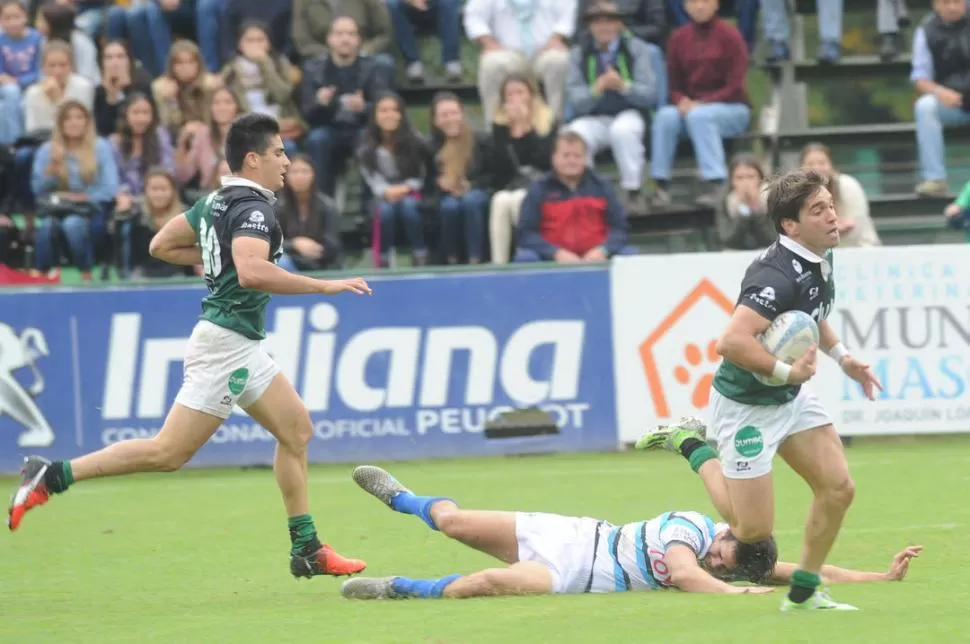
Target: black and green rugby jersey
[
  {"x": 786, "y": 277},
  {"x": 241, "y": 208}
]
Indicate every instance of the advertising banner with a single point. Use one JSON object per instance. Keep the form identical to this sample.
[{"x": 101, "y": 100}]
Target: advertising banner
[
  {"x": 904, "y": 310},
  {"x": 413, "y": 371}
]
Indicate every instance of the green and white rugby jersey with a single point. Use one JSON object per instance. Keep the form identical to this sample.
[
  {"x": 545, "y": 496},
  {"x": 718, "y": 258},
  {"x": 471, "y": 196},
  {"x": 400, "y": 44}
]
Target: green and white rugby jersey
[
  {"x": 241, "y": 208},
  {"x": 786, "y": 277}
]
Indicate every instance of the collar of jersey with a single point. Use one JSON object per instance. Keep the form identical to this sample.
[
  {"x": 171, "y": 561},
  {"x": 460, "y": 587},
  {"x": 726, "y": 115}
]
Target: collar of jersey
[
  {"x": 230, "y": 181},
  {"x": 798, "y": 249}
]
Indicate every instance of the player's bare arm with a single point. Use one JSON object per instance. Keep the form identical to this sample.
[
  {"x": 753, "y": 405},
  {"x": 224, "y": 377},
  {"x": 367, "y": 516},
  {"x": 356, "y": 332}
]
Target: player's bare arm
[
  {"x": 687, "y": 575},
  {"x": 176, "y": 243},
  {"x": 250, "y": 256},
  {"x": 739, "y": 344},
  {"x": 898, "y": 569},
  {"x": 853, "y": 367}
]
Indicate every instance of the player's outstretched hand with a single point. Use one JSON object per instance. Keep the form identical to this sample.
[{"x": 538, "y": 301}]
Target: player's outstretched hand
[
  {"x": 900, "y": 565},
  {"x": 757, "y": 590},
  {"x": 355, "y": 285},
  {"x": 804, "y": 368},
  {"x": 862, "y": 373}
]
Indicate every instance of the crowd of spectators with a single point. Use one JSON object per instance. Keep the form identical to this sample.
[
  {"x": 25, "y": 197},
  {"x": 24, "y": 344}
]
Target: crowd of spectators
[{"x": 112, "y": 118}]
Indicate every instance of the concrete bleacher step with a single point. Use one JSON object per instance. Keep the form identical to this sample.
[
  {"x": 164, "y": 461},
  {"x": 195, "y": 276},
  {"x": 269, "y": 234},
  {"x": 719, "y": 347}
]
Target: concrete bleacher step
[
  {"x": 861, "y": 67},
  {"x": 916, "y": 7}
]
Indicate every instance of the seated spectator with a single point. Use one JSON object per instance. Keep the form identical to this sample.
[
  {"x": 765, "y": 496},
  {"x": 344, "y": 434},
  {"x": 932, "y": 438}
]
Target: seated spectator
[
  {"x": 463, "y": 177},
  {"x": 572, "y": 215},
  {"x": 56, "y": 22},
  {"x": 313, "y": 22},
  {"x": 20, "y": 61},
  {"x": 526, "y": 36},
  {"x": 275, "y": 17},
  {"x": 394, "y": 162},
  {"x": 405, "y": 14},
  {"x": 523, "y": 134},
  {"x": 777, "y": 33},
  {"x": 121, "y": 76},
  {"x": 152, "y": 24},
  {"x": 9, "y": 235},
  {"x": 645, "y": 19},
  {"x": 160, "y": 204},
  {"x": 260, "y": 79},
  {"x": 57, "y": 85},
  {"x": 855, "y": 224},
  {"x": 611, "y": 92},
  {"x": 891, "y": 16},
  {"x": 941, "y": 57},
  {"x": 182, "y": 93},
  {"x": 75, "y": 181},
  {"x": 200, "y": 149},
  {"x": 338, "y": 90},
  {"x": 742, "y": 215},
  {"x": 706, "y": 66},
  {"x": 746, "y": 12},
  {"x": 138, "y": 145},
  {"x": 309, "y": 220}
]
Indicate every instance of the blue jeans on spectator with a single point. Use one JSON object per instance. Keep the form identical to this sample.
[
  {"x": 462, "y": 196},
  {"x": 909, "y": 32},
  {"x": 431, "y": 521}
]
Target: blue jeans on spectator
[
  {"x": 6, "y": 240},
  {"x": 329, "y": 148},
  {"x": 529, "y": 255},
  {"x": 468, "y": 212},
  {"x": 287, "y": 264},
  {"x": 746, "y": 12},
  {"x": 90, "y": 20},
  {"x": 407, "y": 211},
  {"x": 80, "y": 234},
  {"x": 150, "y": 24},
  {"x": 931, "y": 117},
  {"x": 775, "y": 19},
  {"x": 448, "y": 13},
  {"x": 208, "y": 25},
  {"x": 11, "y": 113},
  {"x": 386, "y": 67},
  {"x": 23, "y": 166},
  {"x": 706, "y": 125}
]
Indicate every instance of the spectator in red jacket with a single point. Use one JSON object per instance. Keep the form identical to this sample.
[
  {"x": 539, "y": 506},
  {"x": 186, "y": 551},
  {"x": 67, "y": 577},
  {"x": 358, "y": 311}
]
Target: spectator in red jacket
[
  {"x": 706, "y": 63},
  {"x": 573, "y": 214}
]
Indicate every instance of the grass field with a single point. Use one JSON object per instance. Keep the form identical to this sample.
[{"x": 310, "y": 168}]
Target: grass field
[{"x": 201, "y": 556}]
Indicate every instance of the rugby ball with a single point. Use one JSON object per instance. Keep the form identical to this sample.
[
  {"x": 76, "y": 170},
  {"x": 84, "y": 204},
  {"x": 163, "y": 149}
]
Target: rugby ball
[{"x": 788, "y": 338}]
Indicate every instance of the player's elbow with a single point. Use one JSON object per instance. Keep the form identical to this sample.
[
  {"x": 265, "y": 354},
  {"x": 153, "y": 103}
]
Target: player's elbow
[
  {"x": 725, "y": 345},
  {"x": 249, "y": 275},
  {"x": 156, "y": 248}
]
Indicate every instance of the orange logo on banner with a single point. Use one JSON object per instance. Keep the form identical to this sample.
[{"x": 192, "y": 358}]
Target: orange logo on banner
[{"x": 694, "y": 353}]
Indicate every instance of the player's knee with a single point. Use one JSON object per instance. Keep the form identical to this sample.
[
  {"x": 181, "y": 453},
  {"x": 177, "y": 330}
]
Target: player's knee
[
  {"x": 451, "y": 524},
  {"x": 840, "y": 492},
  {"x": 496, "y": 582},
  {"x": 300, "y": 432},
  {"x": 168, "y": 458},
  {"x": 752, "y": 529}
]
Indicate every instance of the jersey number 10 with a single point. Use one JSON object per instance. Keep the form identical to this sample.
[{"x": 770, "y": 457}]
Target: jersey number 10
[{"x": 211, "y": 252}]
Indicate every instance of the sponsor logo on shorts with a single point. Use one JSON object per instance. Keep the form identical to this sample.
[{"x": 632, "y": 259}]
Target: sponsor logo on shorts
[
  {"x": 227, "y": 401},
  {"x": 237, "y": 380},
  {"x": 749, "y": 442}
]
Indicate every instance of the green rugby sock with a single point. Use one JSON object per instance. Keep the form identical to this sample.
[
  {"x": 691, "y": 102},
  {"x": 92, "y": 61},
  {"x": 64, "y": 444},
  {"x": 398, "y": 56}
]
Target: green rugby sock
[
  {"x": 697, "y": 452},
  {"x": 303, "y": 535},
  {"x": 58, "y": 477},
  {"x": 803, "y": 585}
]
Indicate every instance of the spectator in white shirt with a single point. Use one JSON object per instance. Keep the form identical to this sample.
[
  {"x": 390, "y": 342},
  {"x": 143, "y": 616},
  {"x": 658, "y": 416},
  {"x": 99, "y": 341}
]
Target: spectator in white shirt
[
  {"x": 521, "y": 36},
  {"x": 57, "y": 85}
]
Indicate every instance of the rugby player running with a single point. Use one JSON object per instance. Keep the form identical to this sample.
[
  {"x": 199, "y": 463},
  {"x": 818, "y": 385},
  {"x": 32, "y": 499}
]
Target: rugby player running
[
  {"x": 233, "y": 233},
  {"x": 551, "y": 553},
  {"x": 751, "y": 421}
]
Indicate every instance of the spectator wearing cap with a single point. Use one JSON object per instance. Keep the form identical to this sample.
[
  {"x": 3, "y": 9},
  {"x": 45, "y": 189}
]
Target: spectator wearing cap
[
  {"x": 645, "y": 19},
  {"x": 706, "y": 65},
  {"x": 611, "y": 90},
  {"x": 521, "y": 36}
]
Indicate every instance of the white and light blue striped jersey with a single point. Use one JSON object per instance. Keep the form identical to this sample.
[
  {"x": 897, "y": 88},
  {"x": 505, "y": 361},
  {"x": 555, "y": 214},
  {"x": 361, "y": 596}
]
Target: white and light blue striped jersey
[{"x": 631, "y": 556}]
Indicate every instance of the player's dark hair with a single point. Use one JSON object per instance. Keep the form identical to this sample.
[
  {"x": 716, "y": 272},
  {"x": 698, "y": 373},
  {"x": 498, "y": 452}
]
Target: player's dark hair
[
  {"x": 755, "y": 561},
  {"x": 249, "y": 133},
  {"x": 788, "y": 193}
]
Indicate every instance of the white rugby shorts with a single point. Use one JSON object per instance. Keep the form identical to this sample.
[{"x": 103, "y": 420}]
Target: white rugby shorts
[
  {"x": 562, "y": 544},
  {"x": 223, "y": 369},
  {"x": 748, "y": 436}
]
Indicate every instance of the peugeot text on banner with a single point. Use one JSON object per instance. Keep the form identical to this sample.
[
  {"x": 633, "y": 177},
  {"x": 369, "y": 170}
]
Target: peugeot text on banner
[
  {"x": 904, "y": 310},
  {"x": 412, "y": 372}
]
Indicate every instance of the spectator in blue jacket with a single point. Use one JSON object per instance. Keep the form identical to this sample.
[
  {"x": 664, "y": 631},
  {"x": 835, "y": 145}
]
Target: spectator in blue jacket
[
  {"x": 572, "y": 215},
  {"x": 20, "y": 52},
  {"x": 75, "y": 179}
]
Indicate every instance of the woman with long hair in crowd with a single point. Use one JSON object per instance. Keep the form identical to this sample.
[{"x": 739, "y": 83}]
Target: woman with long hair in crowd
[
  {"x": 74, "y": 179},
  {"x": 121, "y": 75},
  {"x": 462, "y": 181},
  {"x": 182, "y": 92},
  {"x": 309, "y": 220},
  {"x": 855, "y": 224},
  {"x": 523, "y": 136},
  {"x": 161, "y": 203},
  {"x": 394, "y": 162},
  {"x": 741, "y": 215},
  {"x": 56, "y": 22},
  {"x": 199, "y": 150}
]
